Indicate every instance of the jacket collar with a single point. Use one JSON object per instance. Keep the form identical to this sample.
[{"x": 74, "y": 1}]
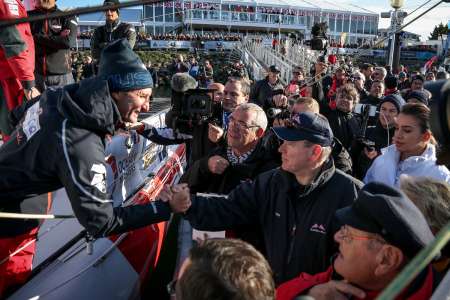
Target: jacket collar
[{"x": 325, "y": 174}]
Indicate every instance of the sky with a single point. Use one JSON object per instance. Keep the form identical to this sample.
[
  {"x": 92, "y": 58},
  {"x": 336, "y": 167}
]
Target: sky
[{"x": 424, "y": 26}]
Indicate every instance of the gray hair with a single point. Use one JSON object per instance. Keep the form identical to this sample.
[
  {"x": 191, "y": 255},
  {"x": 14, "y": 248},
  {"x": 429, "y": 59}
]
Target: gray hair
[
  {"x": 259, "y": 117},
  {"x": 359, "y": 74},
  {"x": 431, "y": 196},
  {"x": 382, "y": 70}
]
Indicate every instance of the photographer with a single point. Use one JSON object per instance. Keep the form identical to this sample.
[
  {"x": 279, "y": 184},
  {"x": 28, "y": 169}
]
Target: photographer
[
  {"x": 262, "y": 91},
  {"x": 375, "y": 95},
  {"x": 345, "y": 125},
  {"x": 297, "y": 81},
  {"x": 378, "y": 136}
]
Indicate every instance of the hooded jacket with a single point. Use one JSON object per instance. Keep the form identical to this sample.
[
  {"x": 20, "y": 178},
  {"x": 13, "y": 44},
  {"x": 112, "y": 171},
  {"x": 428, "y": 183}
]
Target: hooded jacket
[
  {"x": 296, "y": 221},
  {"x": 60, "y": 142},
  {"x": 387, "y": 167},
  {"x": 52, "y": 48}
]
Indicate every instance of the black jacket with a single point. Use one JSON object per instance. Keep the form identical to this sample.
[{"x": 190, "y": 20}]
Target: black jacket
[
  {"x": 60, "y": 143},
  {"x": 296, "y": 221},
  {"x": 378, "y": 135},
  {"x": 52, "y": 49},
  {"x": 262, "y": 93},
  {"x": 345, "y": 126},
  {"x": 200, "y": 179},
  {"x": 108, "y": 33}
]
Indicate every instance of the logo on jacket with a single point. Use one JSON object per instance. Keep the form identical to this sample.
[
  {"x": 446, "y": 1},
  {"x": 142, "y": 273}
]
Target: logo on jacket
[
  {"x": 318, "y": 228},
  {"x": 99, "y": 179}
]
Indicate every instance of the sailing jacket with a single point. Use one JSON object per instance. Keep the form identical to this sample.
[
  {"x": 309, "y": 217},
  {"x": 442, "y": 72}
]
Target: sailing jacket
[
  {"x": 52, "y": 44},
  {"x": 60, "y": 142},
  {"x": 296, "y": 221}
]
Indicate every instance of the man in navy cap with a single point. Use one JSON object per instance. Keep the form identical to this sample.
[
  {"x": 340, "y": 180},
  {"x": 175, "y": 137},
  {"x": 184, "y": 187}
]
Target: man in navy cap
[
  {"x": 293, "y": 205},
  {"x": 60, "y": 142},
  {"x": 381, "y": 231}
]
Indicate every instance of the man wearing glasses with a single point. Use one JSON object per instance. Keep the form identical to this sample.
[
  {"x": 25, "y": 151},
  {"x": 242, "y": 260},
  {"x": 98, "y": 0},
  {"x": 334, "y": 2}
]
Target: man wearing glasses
[
  {"x": 293, "y": 206},
  {"x": 114, "y": 29},
  {"x": 381, "y": 232},
  {"x": 244, "y": 157}
]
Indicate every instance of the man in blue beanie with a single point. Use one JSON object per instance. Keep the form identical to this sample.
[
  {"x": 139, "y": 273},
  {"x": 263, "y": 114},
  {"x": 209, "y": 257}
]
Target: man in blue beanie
[{"x": 60, "y": 141}]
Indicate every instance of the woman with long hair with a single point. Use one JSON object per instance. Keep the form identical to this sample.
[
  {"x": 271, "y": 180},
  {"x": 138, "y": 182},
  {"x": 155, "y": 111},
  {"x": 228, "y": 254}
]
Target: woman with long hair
[{"x": 413, "y": 151}]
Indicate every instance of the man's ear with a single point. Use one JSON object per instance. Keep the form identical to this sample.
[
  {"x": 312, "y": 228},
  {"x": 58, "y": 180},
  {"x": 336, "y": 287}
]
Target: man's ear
[
  {"x": 259, "y": 132},
  {"x": 389, "y": 260},
  {"x": 316, "y": 152}
]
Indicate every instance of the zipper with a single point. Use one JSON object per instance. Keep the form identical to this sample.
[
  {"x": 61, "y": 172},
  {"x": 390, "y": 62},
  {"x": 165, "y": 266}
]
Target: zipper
[
  {"x": 292, "y": 243},
  {"x": 44, "y": 56}
]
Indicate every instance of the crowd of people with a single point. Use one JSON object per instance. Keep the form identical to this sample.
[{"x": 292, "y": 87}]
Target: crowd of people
[{"x": 326, "y": 186}]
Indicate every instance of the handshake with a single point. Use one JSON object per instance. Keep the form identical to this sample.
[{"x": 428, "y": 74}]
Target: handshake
[{"x": 177, "y": 196}]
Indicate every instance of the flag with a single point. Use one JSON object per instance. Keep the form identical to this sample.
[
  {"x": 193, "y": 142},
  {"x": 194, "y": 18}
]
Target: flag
[{"x": 429, "y": 63}]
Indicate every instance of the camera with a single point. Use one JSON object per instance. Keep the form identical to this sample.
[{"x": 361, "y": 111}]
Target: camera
[
  {"x": 440, "y": 117},
  {"x": 319, "y": 41},
  {"x": 278, "y": 113},
  {"x": 193, "y": 108},
  {"x": 365, "y": 109}
]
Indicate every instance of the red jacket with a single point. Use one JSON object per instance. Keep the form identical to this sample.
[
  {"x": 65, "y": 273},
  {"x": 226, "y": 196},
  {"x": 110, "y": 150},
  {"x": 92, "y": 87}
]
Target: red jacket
[
  {"x": 292, "y": 288},
  {"x": 16, "y": 45}
]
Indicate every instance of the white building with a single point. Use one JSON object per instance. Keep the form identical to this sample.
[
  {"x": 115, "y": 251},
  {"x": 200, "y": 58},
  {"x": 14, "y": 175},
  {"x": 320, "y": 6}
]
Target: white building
[{"x": 264, "y": 16}]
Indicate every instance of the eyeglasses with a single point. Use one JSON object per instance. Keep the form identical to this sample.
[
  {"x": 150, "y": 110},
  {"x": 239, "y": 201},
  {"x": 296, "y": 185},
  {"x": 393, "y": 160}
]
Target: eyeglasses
[
  {"x": 171, "y": 287},
  {"x": 240, "y": 124},
  {"x": 357, "y": 78},
  {"x": 345, "y": 235}
]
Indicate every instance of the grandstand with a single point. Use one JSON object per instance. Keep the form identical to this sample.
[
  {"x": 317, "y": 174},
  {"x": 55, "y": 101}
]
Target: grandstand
[{"x": 249, "y": 17}]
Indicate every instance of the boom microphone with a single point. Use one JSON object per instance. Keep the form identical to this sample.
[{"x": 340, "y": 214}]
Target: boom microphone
[{"x": 182, "y": 82}]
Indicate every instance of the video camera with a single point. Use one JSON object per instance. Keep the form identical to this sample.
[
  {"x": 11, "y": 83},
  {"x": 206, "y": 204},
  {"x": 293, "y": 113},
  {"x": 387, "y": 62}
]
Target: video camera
[
  {"x": 440, "y": 117},
  {"x": 366, "y": 111},
  {"x": 193, "y": 108},
  {"x": 319, "y": 41}
]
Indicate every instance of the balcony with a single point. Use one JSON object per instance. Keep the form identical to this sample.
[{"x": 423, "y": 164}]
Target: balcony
[{"x": 244, "y": 19}]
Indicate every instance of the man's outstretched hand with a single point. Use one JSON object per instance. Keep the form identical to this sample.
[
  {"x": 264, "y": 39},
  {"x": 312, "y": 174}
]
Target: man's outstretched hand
[{"x": 178, "y": 197}]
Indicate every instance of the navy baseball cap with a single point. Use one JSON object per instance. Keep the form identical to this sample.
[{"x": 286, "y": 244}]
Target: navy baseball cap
[
  {"x": 306, "y": 126},
  {"x": 274, "y": 69},
  {"x": 384, "y": 210}
]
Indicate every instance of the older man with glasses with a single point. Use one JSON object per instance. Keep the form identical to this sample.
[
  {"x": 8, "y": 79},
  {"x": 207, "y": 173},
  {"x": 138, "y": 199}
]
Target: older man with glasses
[
  {"x": 293, "y": 206},
  {"x": 380, "y": 233}
]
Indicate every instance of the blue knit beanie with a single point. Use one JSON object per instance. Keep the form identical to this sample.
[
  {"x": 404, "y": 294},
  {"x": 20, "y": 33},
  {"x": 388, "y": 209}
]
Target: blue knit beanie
[{"x": 123, "y": 68}]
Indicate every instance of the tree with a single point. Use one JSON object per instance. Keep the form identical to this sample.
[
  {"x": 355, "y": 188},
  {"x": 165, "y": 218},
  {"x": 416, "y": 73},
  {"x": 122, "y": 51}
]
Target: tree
[{"x": 439, "y": 31}]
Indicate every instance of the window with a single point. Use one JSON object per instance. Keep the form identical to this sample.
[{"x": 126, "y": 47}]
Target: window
[
  {"x": 367, "y": 26},
  {"x": 353, "y": 25},
  {"x": 339, "y": 25},
  {"x": 332, "y": 24},
  {"x": 360, "y": 25},
  {"x": 148, "y": 12},
  {"x": 159, "y": 11},
  {"x": 169, "y": 11},
  {"x": 346, "y": 25}
]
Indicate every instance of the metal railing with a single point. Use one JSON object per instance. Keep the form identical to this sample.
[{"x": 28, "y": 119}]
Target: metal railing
[{"x": 296, "y": 55}]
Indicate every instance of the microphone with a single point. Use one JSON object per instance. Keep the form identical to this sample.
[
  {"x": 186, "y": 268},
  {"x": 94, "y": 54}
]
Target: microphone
[{"x": 182, "y": 82}]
